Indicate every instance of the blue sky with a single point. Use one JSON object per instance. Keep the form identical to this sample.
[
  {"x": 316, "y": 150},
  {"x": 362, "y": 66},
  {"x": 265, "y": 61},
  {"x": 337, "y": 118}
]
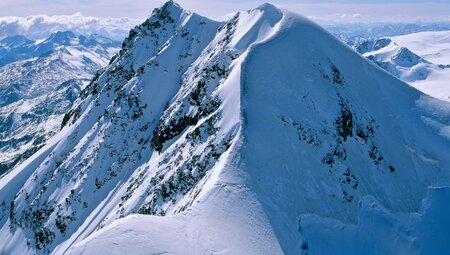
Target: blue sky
[{"x": 339, "y": 10}]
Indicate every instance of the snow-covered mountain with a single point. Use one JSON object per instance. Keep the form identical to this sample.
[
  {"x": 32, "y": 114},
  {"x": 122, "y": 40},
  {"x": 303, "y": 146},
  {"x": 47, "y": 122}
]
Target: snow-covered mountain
[
  {"x": 41, "y": 26},
  {"x": 19, "y": 47},
  {"x": 432, "y": 45},
  {"x": 351, "y": 32},
  {"x": 241, "y": 137},
  {"x": 421, "y": 59},
  {"x": 39, "y": 81}
]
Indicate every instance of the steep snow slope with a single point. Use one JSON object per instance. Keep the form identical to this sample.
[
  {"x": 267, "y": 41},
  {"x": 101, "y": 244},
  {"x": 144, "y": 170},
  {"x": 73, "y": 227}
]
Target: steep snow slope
[
  {"x": 340, "y": 132},
  {"x": 40, "y": 85},
  {"x": 421, "y": 59},
  {"x": 225, "y": 134}
]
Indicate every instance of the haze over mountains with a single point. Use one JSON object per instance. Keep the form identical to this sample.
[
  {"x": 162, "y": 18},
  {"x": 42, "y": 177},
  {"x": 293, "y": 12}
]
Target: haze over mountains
[
  {"x": 350, "y": 32},
  {"x": 42, "y": 26},
  {"x": 248, "y": 136}
]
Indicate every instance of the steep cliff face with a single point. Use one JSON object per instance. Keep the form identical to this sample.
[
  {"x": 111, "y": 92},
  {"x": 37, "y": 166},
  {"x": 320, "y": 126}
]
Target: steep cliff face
[{"x": 222, "y": 136}]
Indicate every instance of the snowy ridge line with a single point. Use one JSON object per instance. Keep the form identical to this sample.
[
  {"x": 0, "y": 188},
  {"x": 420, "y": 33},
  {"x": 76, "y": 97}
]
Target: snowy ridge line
[{"x": 243, "y": 87}]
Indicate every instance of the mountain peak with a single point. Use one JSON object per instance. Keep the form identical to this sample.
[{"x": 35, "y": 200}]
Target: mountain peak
[
  {"x": 62, "y": 37},
  {"x": 15, "y": 41},
  {"x": 268, "y": 7},
  {"x": 96, "y": 39},
  {"x": 63, "y": 34},
  {"x": 169, "y": 5},
  {"x": 162, "y": 23},
  {"x": 407, "y": 58},
  {"x": 169, "y": 10}
]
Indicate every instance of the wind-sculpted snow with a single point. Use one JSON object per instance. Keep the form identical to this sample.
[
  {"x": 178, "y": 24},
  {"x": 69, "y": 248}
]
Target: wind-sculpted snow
[{"x": 222, "y": 136}]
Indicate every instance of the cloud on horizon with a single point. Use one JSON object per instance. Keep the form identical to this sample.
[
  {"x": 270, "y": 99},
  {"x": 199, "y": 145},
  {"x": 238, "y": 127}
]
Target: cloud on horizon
[{"x": 320, "y": 10}]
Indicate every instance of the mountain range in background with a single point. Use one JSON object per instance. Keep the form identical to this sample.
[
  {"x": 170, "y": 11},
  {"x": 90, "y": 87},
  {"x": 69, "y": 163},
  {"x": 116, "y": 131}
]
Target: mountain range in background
[
  {"x": 41, "y": 26},
  {"x": 352, "y": 32},
  {"x": 39, "y": 81},
  {"x": 420, "y": 59},
  {"x": 247, "y": 136}
]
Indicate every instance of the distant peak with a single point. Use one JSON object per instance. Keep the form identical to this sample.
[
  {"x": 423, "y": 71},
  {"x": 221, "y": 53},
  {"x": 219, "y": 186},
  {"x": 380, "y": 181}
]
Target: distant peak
[
  {"x": 14, "y": 38},
  {"x": 66, "y": 33},
  {"x": 63, "y": 35},
  {"x": 15, "y": 41},
  {"x": 405, "y": 51},
  {"x": 407, "y": 58},
  {"x": 60, "y": 38}
]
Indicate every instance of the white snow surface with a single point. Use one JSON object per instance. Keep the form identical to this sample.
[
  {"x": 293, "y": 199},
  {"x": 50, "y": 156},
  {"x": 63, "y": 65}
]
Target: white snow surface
[
  {"x": 248, "y": 136},
  {"x": 420, "y": 59},
  {"x": 434, "y": 46}
]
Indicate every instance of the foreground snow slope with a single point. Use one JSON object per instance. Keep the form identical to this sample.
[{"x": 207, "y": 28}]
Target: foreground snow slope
[{"x": 227, "y": 137}]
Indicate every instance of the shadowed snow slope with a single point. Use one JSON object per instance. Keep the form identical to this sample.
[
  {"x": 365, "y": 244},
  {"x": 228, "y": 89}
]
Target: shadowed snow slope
[{"x": 225, "y": 135}]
